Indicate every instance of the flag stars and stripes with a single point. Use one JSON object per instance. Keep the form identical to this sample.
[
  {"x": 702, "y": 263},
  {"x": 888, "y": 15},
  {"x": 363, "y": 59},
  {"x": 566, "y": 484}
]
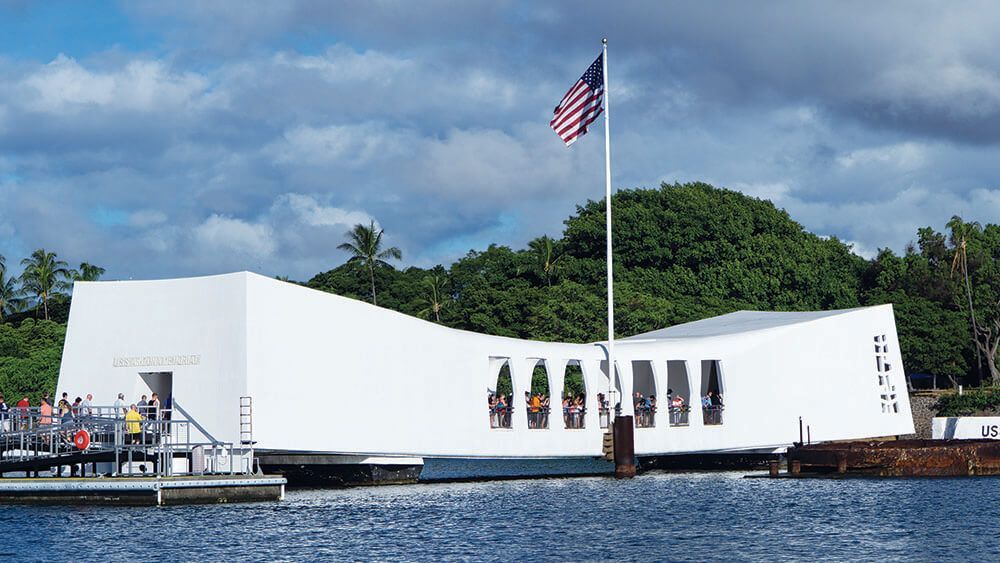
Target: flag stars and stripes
[{"x": 581, "y": 105}]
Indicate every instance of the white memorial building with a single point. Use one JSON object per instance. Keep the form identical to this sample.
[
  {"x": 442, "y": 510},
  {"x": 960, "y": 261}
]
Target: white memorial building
[{"x": 336, "y": 377}]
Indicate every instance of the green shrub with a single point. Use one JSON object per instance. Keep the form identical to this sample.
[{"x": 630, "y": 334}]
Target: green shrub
[{"x": 971, "y": 402}]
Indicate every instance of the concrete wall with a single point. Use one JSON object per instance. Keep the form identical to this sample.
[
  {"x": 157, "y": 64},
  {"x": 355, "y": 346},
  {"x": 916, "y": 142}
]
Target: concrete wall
[{"x": 923, "y": 411}]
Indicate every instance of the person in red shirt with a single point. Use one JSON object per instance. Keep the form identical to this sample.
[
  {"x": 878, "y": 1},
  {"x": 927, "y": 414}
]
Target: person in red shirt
[{"x": 22, "y": 411}]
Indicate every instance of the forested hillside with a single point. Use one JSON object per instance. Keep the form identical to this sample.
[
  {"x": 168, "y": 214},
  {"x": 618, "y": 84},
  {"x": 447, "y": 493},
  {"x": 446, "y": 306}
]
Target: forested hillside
[
  {"x": 686, "y": 252},
  {"x": 682, "y": 252}
]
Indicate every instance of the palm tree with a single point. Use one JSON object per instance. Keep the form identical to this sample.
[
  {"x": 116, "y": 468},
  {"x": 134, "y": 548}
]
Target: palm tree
[
  {"x": 365, "y": 245},
  {"x": 87, "y": 272},
  {"x": 44, "y": 276},
  {"x": 434, "y": 297},
  {"x": 545, "y": 254},
  {"x": 960, "y": 262},
  {"x": 10, "y": 293}
]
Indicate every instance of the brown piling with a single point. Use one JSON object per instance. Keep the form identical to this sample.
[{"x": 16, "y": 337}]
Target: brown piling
[
  {"x": 772, "y": 468},
  {"x": 794, "y": 467},
  {"x": 624, "y": 447},
  {"x": 841, "y": 463}
]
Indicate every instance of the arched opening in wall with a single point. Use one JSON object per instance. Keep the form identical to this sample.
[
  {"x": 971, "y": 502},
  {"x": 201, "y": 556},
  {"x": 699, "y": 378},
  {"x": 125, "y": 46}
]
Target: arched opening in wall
[
  {"x": 712, "y": 392},
  {"x": 574, "y": 396},
  {"x": 606, "y": 402},
  {"x": 644, "y": 393},
  {"x": 500, "y": 395},
  {"x": 537, "y": 401},
  {"x": 679, "y": 399}
]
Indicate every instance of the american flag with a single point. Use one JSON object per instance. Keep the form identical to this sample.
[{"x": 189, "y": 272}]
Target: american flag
[{"x": 581, "y": 105}]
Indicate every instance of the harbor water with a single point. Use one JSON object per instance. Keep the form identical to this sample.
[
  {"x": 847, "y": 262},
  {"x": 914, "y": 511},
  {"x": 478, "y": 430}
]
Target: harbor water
[{"x": 656, "y": 516}]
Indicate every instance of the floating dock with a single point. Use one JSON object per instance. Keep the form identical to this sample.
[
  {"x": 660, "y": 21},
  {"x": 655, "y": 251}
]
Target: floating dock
[
  {"x": 111, "y": 457},
  {"x": 899, "y": 458},
  {"x": 141, "y": 491}
]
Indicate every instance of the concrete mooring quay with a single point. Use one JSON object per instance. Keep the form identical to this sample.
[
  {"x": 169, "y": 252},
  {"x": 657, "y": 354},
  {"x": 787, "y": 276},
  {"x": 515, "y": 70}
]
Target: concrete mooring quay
[
  {"x": 899, "y": 458},
  {"x": 142, "y": 491}
]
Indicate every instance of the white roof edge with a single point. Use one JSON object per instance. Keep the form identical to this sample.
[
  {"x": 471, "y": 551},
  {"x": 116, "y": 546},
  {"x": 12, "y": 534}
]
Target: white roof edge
[
  {"x": 739, "y": 322},
  {"x": 244, "y": 273},
  {"x": 732, "y": 323}
]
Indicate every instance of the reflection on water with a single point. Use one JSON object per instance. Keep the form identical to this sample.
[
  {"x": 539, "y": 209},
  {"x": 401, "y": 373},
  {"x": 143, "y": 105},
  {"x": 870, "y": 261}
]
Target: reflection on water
[{"x": 680, "y": 516}]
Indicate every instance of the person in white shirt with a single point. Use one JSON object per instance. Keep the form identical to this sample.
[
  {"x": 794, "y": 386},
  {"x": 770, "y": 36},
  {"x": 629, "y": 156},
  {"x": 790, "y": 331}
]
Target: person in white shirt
[
  {"x": 120, "y": 408},
  {"x": 87, "y": 406}
]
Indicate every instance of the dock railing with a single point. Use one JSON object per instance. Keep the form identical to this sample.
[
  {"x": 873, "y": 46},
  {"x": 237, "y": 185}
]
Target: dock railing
[
  {"x": 679, "y": 415},
  {"x": 712, "y": 416},
  {"x": 500, "y": 417},
  {"x": 538, "y": 417},
  {"x": 645, "y": 417},
  {"x": 159, "y": 445},
  {"x": 575, "y": 417}
]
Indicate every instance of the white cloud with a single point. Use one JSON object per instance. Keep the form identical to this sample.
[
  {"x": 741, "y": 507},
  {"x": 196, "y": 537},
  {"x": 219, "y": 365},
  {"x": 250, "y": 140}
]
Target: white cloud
[
  {"x": 773, "y": 191},
  {"x": 966, "y": 91},
  {"x": 862, "y": 250},
  {"x": 902, "y": 156},
  {"x": 220, "y": 234},
  {"x": 340, "y": 64},
  {"x": 310, "y": 212},
  {"x": 64, "y": 86},
  {"x": 354, "y": 146}
]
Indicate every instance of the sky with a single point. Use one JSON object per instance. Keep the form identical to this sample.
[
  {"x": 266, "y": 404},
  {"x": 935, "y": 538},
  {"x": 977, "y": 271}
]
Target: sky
[{"x": 165, "y": 139}]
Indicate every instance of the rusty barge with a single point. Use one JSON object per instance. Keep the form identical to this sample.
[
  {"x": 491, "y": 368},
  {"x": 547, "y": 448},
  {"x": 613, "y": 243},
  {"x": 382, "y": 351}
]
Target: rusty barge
[{"x": 897, "y": 458}]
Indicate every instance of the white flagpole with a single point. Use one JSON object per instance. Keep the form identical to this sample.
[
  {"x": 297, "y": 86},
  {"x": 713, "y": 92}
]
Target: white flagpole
[{"x": 607, "y": 204}]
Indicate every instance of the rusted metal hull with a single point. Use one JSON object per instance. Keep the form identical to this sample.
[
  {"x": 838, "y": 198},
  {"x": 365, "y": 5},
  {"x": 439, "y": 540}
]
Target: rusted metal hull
[{"x": 900, "y": 458}]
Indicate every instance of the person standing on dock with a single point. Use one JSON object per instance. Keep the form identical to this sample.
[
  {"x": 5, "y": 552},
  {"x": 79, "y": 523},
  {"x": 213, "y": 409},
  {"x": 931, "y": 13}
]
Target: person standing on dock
[
  {"x": 133, "y": 424},
  {"x": 45, "y": 412},
  {"x": 120, "y": 409},
  {"x": 4, "y": 416},
  {"x": 87, "y": 406},
  {"x": 23, "y": 408},
  {"x": 153, "y": 408}
]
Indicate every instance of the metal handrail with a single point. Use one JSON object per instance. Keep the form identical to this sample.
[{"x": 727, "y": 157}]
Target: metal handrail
[
  {"x": 645, "y": 417},
  {"x": 575, "y": 417},
  {"x": 501, "y": 418},
  {"x": 161, "y": 438},
  {"x": 678, "y": 415},
  {"x": 712, "y": 415},
  {"x": 538, "y": 417}
]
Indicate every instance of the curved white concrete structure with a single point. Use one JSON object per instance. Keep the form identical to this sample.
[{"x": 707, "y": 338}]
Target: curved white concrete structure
[{"x": 335, "y": 375}]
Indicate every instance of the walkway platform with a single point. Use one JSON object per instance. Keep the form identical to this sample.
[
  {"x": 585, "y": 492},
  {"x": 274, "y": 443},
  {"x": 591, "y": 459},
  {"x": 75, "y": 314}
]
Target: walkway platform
[{"x": 142, "y": 491}]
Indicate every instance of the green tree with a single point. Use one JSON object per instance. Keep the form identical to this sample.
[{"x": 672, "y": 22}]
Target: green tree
[
  {"x": 10, "y": 295},
  {"x": 976, "y": 254},
  {"x": 365, "y": 245},
  {"x": 87, "y": 272},
  {"x": 546, "y": 257},
  {"x": 29, "y": 358},
  {"x": 44, "y": 276},
  {"x": 435, "y": 297}
]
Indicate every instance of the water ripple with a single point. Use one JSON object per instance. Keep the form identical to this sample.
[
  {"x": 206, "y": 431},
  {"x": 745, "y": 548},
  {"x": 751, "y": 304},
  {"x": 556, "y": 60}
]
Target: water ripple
[{"x": 677, "y": 517}]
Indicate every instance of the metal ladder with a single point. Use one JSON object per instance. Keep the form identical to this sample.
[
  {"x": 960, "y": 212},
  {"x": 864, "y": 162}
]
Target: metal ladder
[{"x": 246, "y": 421}]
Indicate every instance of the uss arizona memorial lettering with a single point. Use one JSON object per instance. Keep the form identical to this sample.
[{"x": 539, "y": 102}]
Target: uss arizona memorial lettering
[{"x": 145, "y": 361}]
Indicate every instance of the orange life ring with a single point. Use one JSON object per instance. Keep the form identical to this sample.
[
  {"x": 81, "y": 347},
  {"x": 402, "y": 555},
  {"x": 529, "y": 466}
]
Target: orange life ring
[{"x": 82, "y": 439}]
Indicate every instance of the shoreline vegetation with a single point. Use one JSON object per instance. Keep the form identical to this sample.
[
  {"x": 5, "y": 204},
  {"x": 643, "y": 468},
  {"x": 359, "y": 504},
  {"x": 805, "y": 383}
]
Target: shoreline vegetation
[{"x": 683, "y": 252}]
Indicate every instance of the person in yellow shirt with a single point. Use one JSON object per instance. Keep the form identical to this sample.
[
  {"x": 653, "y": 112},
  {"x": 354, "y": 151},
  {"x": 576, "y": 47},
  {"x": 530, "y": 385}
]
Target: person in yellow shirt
[
  {"x": 535, "y": 404},
  {"x": 133, "y": 424}
]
